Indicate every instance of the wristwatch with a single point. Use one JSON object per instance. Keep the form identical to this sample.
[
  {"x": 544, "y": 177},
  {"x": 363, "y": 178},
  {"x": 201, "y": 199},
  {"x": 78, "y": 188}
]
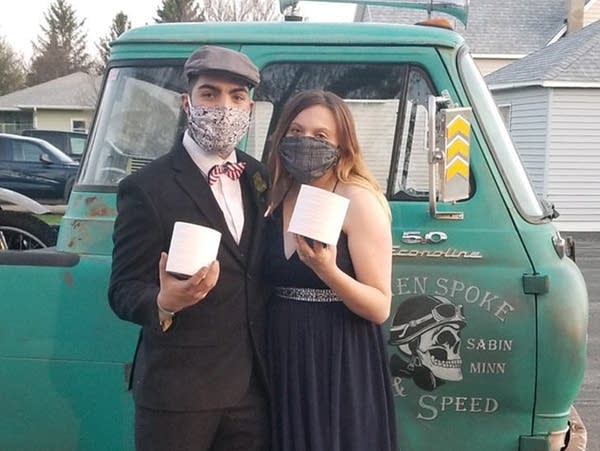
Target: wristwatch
[{"x": 165, "y": 317}]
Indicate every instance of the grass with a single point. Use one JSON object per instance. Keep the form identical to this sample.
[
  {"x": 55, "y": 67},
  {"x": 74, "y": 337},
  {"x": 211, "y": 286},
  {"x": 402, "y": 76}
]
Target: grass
[{"x": 52, "y": 219}]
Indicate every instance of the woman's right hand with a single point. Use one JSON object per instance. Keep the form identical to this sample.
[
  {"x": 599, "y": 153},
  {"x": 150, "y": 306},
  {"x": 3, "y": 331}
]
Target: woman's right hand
[{"x": 319, "y": 257}]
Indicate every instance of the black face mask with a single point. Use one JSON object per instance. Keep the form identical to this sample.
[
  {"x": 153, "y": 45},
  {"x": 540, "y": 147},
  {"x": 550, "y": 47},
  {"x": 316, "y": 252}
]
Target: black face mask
[{"x": 307, "y": 158}]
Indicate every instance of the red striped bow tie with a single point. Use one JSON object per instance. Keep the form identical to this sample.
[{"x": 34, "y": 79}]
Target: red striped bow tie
[{"x": 233, "y": 171}]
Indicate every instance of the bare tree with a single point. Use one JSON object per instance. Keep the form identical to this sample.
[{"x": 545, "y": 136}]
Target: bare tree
[
  {"x": 12, "y": 70},
  {"x": 240, "y": 10}
]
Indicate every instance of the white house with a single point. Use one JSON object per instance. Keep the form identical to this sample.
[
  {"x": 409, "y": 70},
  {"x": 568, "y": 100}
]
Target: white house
[
  {"x": 65, "y": 103},
  {"x": 553, "y": 99}
]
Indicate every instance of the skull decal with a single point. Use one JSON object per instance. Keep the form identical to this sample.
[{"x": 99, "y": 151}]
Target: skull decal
[
  {"x": 426, "y": 330},
  {"x": 439, "y": 350}
]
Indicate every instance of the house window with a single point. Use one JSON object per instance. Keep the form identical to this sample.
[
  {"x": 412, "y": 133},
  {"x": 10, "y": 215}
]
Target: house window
[
  {"x": 505, "y": 111},
  {"x": 78, "y": 125}
]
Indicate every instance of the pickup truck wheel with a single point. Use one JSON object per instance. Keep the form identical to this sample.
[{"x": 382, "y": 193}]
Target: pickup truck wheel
[{"x": 22, "y": 231}]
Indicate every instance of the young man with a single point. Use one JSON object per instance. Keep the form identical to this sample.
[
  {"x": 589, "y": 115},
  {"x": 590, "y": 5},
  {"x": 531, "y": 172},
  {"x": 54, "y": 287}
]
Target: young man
[{"x": 198, "y": 376}]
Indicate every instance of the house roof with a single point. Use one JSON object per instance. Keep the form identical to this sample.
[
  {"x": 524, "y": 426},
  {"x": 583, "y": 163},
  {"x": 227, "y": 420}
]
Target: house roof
[
  {"x": 571, "y": 61},
  {"x": 511, "y": 27},
  {"x": 74, "y": 91}
]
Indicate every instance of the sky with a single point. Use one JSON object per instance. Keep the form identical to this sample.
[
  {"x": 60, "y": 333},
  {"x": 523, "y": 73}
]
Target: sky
[{"x": 20, "y": 22}]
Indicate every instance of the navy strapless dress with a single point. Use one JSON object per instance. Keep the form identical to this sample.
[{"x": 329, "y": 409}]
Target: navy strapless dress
[{"x": 330, "y": 385}]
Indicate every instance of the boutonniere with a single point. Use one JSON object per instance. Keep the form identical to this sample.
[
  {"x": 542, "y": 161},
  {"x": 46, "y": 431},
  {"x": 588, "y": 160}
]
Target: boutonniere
[{"x": 260, "y": 185}]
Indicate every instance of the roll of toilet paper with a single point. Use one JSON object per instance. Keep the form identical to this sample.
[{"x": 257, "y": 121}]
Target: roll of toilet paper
[{"x": 192, "y": 247}]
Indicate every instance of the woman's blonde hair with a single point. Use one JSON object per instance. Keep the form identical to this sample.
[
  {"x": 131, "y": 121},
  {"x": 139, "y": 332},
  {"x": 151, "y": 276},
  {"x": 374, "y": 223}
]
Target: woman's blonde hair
[{"x": 350, "y": 167}]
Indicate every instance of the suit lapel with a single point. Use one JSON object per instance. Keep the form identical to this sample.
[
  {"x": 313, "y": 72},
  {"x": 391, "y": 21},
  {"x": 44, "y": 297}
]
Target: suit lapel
[
  {"x": 192, "y": 182},
  {"x": 251, "y": 181}
]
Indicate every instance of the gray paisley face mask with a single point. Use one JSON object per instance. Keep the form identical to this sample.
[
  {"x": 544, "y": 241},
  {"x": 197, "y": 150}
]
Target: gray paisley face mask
[
  {"x": 307, "y": 158},
  {"x": 217, "y": 129}
]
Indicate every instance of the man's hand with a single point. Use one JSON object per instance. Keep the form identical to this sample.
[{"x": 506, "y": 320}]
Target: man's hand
[{"x": 176, "y": 294}]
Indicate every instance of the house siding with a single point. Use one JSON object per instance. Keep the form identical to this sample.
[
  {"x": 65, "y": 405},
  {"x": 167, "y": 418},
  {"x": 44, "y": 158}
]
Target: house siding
[
  {"x": 573, "y": 184},
  {"x": 488, "y": 65},
  {"x": 61, "y": 119},
  {"x": 528, "y": 128}
]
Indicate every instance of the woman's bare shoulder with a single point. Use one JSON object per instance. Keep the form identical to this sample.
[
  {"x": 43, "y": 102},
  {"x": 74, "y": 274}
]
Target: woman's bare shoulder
[
  {"x": 357, "y": 193},
  {"x": 364, "y": 204}
]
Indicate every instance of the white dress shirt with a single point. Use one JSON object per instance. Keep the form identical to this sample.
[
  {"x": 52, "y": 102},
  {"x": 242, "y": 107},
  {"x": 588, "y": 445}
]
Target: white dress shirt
[{"x": 227, "y": 192}]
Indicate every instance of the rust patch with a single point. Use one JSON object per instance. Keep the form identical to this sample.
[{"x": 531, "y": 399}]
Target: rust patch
[
  {"x": 73, "y": 242},
  {"x": 79, "y": 233},
  {"x": 97, "y": 208},
  {"x": 101, "y": 210},
  {"x": 69, "y": 278}
]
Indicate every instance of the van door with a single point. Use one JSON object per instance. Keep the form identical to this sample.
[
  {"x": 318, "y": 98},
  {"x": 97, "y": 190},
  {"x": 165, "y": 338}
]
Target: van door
[{"x": 461, "y": 334}]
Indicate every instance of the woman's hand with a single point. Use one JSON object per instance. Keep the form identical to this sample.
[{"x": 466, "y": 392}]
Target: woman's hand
[
  {"x": 367, "y": 226},
  {"x": 319, "y": 257},
  {"x": 176, "y": 294}
]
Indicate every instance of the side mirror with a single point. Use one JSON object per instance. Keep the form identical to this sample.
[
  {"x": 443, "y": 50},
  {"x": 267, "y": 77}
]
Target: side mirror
[
  {"x": 45, "y": 159},
  {"x": 456, "y": 134},
  {"x": 449, "y": 135}
]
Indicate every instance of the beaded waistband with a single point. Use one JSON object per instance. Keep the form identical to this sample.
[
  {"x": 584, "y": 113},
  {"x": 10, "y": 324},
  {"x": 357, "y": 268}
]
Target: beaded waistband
[{"x": 307, "y": 294}]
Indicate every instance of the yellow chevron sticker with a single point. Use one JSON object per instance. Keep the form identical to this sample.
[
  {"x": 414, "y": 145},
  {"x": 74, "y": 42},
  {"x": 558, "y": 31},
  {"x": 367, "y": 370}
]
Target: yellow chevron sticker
[
  {"x": 458, "y": 146},
  {"x": 458, "y": 125},
  {"x": 457, "y": 167}
]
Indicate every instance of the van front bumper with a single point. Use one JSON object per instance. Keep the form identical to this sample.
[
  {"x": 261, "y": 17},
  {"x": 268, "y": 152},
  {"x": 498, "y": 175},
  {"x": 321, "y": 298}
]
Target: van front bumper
[{"x": 574, "y": 438}]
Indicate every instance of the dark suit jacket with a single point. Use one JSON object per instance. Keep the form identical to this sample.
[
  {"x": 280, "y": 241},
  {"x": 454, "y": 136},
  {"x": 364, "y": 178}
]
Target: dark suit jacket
[{"x": 205, "y": 359}]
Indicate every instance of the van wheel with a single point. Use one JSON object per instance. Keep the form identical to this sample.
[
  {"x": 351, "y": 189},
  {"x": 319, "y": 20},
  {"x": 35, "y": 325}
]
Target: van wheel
[{"x": 23, "y": 231}]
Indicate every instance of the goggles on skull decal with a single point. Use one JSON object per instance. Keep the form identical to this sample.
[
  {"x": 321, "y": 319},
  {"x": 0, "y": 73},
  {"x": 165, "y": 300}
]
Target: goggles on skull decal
[{"x": 444, "y": 312}]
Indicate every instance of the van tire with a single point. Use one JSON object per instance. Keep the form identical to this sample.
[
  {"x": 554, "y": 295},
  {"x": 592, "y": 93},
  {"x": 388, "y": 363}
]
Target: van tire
[{"x": 23, "y": 231}]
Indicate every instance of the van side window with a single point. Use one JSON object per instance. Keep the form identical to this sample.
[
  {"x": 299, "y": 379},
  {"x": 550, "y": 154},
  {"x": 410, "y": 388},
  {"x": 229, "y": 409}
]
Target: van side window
[
  {"x": 77, "y": 144},
  {"x": 389, "y": 105},
  {"x": 410, "y": 178}
]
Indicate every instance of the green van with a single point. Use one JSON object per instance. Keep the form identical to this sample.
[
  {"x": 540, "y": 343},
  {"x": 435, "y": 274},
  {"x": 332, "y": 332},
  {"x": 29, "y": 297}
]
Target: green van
[{"x": 487, "y": 336}]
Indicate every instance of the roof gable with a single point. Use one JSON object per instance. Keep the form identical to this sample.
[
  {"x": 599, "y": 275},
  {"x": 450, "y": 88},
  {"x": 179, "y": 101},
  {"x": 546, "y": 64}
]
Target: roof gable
[
  {"x": 572, "y": 59},
  {"x": 514, "y": 27},
  {"x": 74, "y": 91}
]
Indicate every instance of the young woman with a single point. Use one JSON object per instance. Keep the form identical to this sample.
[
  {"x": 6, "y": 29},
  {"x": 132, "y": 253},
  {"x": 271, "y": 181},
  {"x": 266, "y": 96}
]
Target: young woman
[{"x": 327, "y": 355}]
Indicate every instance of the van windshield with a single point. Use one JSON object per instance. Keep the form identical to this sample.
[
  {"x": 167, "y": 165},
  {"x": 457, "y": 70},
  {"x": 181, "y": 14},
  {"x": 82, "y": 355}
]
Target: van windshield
[
  {"x": 140, "y": 118},
  {"x": 504, "y": 152},
  {"x": 137, "y": 121}
]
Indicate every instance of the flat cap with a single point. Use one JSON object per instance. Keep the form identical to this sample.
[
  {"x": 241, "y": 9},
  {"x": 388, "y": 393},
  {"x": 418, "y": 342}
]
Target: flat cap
[{"x": 211, "y": 58}]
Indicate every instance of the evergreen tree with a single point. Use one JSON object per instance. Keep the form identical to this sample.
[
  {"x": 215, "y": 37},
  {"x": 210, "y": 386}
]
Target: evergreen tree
[
  {"x": 120, "y": 25},
  {"x": 179, "y": 11},
  {"x": 61, "y": 48},
  {"x": 240, "y": 10},
  {"x": 12, "y": 70}
]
